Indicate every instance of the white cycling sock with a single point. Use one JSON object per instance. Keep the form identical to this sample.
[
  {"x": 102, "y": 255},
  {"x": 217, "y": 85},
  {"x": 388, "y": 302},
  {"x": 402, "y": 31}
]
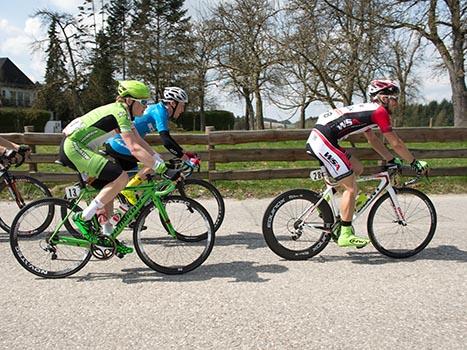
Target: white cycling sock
[{"x": 90, "y": 211}]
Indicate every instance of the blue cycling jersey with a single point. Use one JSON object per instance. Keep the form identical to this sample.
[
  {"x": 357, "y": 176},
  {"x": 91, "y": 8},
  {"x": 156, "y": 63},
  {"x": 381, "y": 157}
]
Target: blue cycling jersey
[{"x": 155, "y": 118}]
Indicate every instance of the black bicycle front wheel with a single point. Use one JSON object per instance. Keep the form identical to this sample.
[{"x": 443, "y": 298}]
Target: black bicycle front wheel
[
  {"x": 42, "y": 254},
  {"x": 172, "y": 255},
  {"x": 207, "y": 195},
  {"x": 402, "y": 239},
  {"x": 23, "y": 190},
  {"x": 292, "y": 229}
]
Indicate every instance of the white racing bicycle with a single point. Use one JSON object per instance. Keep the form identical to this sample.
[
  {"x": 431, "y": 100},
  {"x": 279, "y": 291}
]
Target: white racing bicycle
[{"x": 299, "y": 224}]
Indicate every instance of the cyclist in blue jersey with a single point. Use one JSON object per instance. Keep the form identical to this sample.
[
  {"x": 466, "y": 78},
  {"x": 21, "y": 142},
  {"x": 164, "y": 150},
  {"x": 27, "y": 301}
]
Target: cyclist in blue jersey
[{"x": 155, "y": 118}]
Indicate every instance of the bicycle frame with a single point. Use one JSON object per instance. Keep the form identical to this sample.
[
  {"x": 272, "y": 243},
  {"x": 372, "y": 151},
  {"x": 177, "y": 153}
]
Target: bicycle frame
[
  {"x": 384, "y": 179},
  {"x": 384, "y": 184},
  {"x": 10, "y": 183},
  {"x": 152, "y": 191}
]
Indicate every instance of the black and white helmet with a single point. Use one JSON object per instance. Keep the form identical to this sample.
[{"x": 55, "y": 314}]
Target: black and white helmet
[
  {"x": 383, "y": 87},
  {"x": 175, "y": 94}
]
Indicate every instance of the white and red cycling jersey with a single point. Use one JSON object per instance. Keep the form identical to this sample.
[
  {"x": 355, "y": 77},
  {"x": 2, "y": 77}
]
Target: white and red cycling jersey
[{"x": 339, "y": 123}]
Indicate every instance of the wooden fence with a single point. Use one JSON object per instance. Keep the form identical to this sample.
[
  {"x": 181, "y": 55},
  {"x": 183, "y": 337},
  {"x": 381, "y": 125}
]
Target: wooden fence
[{"x": 215, "y": 156}]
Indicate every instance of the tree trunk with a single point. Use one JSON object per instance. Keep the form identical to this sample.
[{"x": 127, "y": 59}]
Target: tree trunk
[
  {"x": 202, "y": 115},
  {"x": 259, "y": 110},
  {"x": 302, "y": 116},
  {"x": 459, "y": 101},
  {"x": 250, "y": 121}
]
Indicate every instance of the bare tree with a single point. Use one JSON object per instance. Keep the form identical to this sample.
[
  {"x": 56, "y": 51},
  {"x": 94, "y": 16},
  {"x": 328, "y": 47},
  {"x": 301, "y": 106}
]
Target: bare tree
[
  {"x": 403, "y": 54},
  {"x": 70, "y": 33},
  {"x": 444, "y": 24},
  {"x": 246, "y": 54},
  {"x": 339, "y": 52},
  {"x": 205, "y": 40}
]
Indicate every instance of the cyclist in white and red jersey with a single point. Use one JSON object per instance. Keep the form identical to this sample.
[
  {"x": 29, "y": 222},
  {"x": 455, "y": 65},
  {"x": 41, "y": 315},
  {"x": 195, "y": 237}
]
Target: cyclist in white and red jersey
[{"x": 338, "y": 124}]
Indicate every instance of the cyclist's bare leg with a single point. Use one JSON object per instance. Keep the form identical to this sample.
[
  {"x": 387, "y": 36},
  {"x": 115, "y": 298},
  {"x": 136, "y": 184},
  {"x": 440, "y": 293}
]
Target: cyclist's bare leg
[
  {"x": 347, "y": 237},
  {"x": 110, "y": 191},
  {"x": 348, "y": 197},
  {"x": 357, "y": 166}
]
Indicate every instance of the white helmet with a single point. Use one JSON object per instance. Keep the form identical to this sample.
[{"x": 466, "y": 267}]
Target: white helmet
[
  {"x": 384, "y": 87},
  {"x": 175, "y": 94}
]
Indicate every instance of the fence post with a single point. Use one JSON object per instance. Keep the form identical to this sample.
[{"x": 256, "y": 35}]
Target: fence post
[
  {"x": 210, "y": 147},
  {"x": 32, "y": 166}
]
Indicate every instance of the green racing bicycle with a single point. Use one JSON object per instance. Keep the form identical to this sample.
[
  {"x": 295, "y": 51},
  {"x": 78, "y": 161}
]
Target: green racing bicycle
[{"x": 171, "y": 234}]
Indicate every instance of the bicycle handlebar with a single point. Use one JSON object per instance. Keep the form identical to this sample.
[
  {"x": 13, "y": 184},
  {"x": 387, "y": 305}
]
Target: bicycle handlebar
[{"x": 394, "y": 169}]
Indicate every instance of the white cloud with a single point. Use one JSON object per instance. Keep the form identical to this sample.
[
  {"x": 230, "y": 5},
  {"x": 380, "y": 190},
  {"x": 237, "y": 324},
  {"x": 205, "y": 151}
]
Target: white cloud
[
  {"x": 15, "y": 43},
  {"x": 67, "y": 5}
]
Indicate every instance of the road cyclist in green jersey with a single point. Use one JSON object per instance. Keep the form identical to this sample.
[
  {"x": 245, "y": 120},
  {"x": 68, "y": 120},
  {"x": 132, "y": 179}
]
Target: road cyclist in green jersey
[
  {"x": 79, "y": 151},
  {"x": 155, "y": 118}
]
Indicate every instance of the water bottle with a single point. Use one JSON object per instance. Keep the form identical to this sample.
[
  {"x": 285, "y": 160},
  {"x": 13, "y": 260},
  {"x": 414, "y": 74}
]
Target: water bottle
[
  {"x": 117, "y": 216},
  {"x": 360, "y": 201}
]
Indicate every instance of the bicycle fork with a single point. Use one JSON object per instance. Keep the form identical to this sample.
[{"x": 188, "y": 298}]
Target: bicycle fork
[
  {"x": 396, "y": 207},
  {"x": 164, "y": 216}
]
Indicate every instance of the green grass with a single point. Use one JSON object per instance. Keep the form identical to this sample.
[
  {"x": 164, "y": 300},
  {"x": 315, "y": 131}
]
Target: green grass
[{"x": 266, "y": 188}]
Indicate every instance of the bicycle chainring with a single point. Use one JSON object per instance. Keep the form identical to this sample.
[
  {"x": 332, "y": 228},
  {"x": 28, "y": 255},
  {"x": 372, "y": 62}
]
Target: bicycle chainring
[{"x": 105, "y": 247}]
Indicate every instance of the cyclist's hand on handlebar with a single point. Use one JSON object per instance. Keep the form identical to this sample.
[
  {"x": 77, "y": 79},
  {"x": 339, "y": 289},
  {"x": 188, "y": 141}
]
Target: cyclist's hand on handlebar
[
  {"x": 159, "y": 168},
  {"x": 190, "y": 155},
  {"x": 420, "y": 166},
  {"x": 395, "y": 162},
  {"x": 193, "y": 163},
  {"x": 24, "y": 149}
]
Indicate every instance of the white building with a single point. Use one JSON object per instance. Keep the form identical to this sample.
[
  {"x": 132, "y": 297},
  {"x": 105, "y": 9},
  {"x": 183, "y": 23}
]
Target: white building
[{"x": 16, "y": 89}]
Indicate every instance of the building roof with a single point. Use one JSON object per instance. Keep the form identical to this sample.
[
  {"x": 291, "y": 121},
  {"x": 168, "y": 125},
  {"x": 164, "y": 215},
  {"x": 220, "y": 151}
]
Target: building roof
[{"x": 10, "y": 75}]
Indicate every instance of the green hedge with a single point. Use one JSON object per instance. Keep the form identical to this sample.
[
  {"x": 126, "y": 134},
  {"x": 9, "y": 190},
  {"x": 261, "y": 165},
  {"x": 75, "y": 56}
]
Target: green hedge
[
  {"x": 221, "y": 120},
  {"x": 14, "y": 119}
]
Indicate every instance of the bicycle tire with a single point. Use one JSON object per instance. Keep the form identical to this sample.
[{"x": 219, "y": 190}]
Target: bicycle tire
[
  {"x": 42, "y": 190},
  {"x": 297, "y": 246},
  {"x": 218, "y": 213},
  {"x": 150, "y": 237},
  {"x": 414, "y": 204},
  {"x": 47, "y": 257}
]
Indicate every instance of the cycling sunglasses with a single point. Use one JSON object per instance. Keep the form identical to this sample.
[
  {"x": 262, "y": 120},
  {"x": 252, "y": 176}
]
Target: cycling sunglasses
[
  {"x": 143, "y": 102},
  {"x": 391, "y": 97}
]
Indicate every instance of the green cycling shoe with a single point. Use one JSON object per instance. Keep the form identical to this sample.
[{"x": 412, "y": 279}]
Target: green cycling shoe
[
  {"x": 85, "y": 227},
  {"x": 347, "y": 238},
  {"x": 123, "y": 249}
]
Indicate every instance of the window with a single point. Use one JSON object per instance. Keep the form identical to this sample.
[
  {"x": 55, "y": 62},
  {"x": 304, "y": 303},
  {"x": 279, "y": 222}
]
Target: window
[
  {"x": 20, "y": 100},
  {"x": 27, "y": 99}
]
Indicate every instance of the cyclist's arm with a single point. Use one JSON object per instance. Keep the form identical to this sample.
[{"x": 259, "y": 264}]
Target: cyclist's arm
[
  {"x": 143, "y": 143},
  {"x": 378, "y": 145},
  {"x": 5, "y": 144},
  {"x": 171, "y": 145},
  {"x": 399, "y": 146},
  {"x": 138, "y": 149}
]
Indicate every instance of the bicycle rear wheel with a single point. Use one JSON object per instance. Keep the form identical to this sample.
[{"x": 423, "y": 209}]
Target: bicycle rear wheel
[
  {"x": 166, "y": 254},
  {"x": 24, "y": 190},
  {"x": 294, "y": 232},
  {"x": 207, "y": 195},
  {"x": 397, "y": 239},
  {"x": 40, "y": 253}
]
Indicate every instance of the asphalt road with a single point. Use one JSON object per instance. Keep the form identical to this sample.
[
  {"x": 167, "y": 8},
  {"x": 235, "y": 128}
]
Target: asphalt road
[{"x": 245, "y": 297}]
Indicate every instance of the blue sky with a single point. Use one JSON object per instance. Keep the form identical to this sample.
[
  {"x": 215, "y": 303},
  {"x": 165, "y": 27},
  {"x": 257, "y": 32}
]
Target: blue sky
[{"x": 18, "y": 30}]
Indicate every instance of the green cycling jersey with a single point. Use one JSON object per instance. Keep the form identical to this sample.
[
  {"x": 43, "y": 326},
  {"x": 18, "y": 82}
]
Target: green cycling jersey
[
  {"x": 84, "y": 135},
  {"x": 94, "y": 128}
]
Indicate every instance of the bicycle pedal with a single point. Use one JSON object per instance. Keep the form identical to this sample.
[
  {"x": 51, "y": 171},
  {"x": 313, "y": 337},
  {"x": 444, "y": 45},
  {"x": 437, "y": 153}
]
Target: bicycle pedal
[{"x": 120, "y": 255}]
